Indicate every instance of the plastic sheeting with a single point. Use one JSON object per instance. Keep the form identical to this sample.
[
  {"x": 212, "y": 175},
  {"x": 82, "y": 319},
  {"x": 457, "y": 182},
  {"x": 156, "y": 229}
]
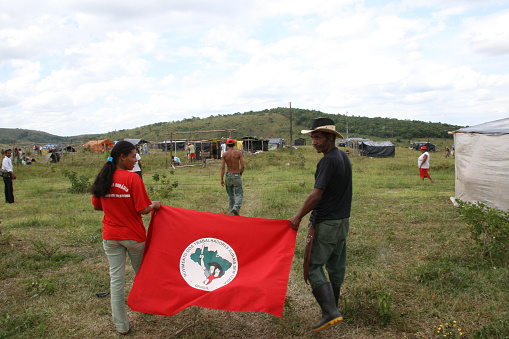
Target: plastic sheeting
[
  {"x": 482, "y": 163},
  {"x": 377, "y": 149},
  {"x": 493, "y": 127}
]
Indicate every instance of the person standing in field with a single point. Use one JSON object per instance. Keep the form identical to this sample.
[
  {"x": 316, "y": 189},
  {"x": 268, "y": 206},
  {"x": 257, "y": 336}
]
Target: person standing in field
[
  {"x": 447, "y": 152},
  {"x": 192, "y": 152},
  {"x": 330, "y": 203},
  {"x": 234, "y": 160},
  {"x": 137, "y": 166},
  {"x": 423, "y": 163},
  {"x": 7, "y": 166},
  {"x": 122, "y": 196}
]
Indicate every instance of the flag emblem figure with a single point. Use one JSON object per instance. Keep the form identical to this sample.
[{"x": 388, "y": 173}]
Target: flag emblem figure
[{"x": 208, "y": 264}]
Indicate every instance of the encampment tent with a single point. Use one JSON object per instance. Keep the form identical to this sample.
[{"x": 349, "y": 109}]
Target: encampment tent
[
  {"x": 354, "y": 142},
  {"x": 99, "y": 145},
  {"x": 176, "y": 145},
  {"x": 141, "y": 145},
  {"x": 377, "y": 149},
  {"x": 276, "y": 143},
  {"x": 137, "y": 142},
  {"x": 299, "y": 142},
  {"x": 482, "y": 161},
  {"x": 418, "y": 144},
  {"x": 254, "y": 144}
]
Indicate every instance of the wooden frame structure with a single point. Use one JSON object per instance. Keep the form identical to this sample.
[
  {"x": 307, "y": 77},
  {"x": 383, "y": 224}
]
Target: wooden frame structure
[{"x": 229, "y": 131}]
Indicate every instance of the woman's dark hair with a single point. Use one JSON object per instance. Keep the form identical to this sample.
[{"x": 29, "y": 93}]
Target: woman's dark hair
[{"x": 104, "y": 179}]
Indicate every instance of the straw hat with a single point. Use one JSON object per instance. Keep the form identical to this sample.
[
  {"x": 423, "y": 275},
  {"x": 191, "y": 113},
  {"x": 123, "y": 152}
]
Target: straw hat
[{"x": 323, "y": 125}]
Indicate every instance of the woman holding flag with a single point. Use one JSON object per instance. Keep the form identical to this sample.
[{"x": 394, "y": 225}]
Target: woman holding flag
[{"x": 123, "y": 198}]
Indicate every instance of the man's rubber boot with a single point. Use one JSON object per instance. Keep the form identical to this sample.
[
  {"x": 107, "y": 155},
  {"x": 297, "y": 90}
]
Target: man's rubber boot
[
  {"x": 324, "y": 295},
  {"x": 337, "y": 292}
]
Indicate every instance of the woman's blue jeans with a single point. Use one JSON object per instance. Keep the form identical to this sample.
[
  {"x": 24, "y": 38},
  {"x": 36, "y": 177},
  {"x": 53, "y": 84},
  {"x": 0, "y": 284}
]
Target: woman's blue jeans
[{"x": 117, "y": 251}]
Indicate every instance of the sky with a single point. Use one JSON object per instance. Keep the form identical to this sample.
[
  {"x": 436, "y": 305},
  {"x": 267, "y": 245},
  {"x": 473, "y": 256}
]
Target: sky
[{"x": 92, "y": 66}]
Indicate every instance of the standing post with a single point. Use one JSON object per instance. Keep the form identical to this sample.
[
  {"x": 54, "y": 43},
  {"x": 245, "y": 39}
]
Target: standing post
[
  {"x": 291, "y": 123},
  {"x": 346, "y": 125}
]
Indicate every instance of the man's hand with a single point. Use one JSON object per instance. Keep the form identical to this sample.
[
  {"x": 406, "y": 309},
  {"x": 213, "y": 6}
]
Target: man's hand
[{"x": 295, "y": 222}]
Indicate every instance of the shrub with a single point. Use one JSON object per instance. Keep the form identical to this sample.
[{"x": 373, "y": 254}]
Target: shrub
[
  {"x": 79, "y": 185},
  {"x": 163, "y": 190},
  {"x": 489, "y": 227}
]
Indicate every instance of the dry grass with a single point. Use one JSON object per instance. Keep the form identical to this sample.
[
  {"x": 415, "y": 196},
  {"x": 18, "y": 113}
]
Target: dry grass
[{"x": 406, "y": 242}]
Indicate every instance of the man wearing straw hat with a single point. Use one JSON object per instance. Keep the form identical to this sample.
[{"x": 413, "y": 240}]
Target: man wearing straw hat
[{"x": 330, "y": 203}]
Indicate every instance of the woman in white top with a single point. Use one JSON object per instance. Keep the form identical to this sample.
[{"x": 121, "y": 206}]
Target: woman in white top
[{"x": 423, "y": 163}]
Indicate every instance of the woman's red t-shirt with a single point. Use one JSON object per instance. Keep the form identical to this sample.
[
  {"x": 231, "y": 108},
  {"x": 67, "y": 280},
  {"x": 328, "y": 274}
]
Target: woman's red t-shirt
[{"x": 121, "y": 206}]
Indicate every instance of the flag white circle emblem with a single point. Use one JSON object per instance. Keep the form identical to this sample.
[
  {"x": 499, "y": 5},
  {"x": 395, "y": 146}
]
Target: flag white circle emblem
[{"x": 208, "y": 264}]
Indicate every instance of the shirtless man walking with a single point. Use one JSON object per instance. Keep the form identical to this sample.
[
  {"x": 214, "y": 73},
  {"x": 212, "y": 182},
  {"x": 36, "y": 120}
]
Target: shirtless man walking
[{"x": 235, "y": 163}]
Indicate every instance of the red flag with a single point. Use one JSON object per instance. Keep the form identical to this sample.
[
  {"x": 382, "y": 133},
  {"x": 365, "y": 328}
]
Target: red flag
[{"x": 215, "y": 261}]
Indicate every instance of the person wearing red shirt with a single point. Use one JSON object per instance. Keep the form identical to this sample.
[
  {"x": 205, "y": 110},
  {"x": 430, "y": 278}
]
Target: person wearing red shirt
[{"x": 123, "y": 198}]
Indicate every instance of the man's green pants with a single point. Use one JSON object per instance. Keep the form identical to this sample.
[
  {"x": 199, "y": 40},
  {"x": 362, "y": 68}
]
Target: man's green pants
[{"x": 329, "y": 250}]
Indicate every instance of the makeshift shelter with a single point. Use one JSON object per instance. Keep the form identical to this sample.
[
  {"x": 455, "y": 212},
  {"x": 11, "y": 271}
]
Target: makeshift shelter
[
  {"x": 376, "y": 149},
  {"x": 354, "y": 142},
  {"x": 276, "y": 143},
  {"x": 299, "y": 142},
  {"x": 137, "y": 142},
  {"x": 141, "y": 145},
  {"x": 50, "y": 146},
  {"x": 482, "y": 160},
  {"x": 417, "y": 146},
  {"x": 208, "y": 149},
  {"x": 253, "y": 144},
  {"x": 176, "y": 145},
  {"x": 99, "y": 145}
]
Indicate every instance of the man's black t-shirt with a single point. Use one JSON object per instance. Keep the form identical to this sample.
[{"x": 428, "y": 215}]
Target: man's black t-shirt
[{"x": 334, "y": 176}]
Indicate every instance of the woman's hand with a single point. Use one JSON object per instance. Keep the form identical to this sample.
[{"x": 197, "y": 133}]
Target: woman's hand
[{"x": 155, "y": 205}]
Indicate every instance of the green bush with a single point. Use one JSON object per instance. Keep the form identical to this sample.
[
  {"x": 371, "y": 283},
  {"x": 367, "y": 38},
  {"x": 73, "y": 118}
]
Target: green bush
[
  {"x": 79, "y": 185},
  {"x": 162, "y": 190},
  {"x": 489, "y": 227}
]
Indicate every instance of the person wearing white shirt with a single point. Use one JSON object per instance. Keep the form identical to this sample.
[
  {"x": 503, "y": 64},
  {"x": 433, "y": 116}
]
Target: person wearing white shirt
[
  {"x": 423, "y": 163},
  {"x": 7, "y": 166},
  {"x": 137, "y": 166}
]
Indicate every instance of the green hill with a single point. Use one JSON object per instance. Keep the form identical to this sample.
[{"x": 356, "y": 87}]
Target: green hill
[
  {"x": 269, "y": 123},
  {"x": 18, "y": 135},
  {"x": 275, "y": 123}
]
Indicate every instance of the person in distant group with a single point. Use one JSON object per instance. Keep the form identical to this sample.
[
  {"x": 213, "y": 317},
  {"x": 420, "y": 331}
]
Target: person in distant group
[
  {"x": 447, "y": 152},
  {"x": 192, "y": 152},
  {"x": 137, "y": 165},
  {"x": 175, "y": 160},
  {"x": 234, "y": 160},
  {"x": 330, "y": 203},
  {"x": 223, "y": 148},
  {"x": 15, "y": 157},
  {"x": 423, "y": 163},
  {"x": 123, "y": 198},
  {"x": 7, "y": 166}
]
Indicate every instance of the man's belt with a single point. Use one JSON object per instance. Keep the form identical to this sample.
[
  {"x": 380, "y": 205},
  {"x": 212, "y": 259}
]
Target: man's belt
[{"x": 309, "y": 246}]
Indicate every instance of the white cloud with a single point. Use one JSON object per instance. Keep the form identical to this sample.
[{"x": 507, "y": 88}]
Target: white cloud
[
  {"x": 489, "y": 34},
  {"x": 92, "y": 66}
]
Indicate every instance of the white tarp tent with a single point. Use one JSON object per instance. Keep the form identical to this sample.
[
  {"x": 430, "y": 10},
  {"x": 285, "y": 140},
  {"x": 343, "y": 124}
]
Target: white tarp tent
[{"x": 482, "y": 163}]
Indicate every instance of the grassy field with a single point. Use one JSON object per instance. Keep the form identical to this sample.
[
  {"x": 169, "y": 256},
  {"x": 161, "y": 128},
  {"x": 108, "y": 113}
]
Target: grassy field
[{"x": 411, "y": 265}]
